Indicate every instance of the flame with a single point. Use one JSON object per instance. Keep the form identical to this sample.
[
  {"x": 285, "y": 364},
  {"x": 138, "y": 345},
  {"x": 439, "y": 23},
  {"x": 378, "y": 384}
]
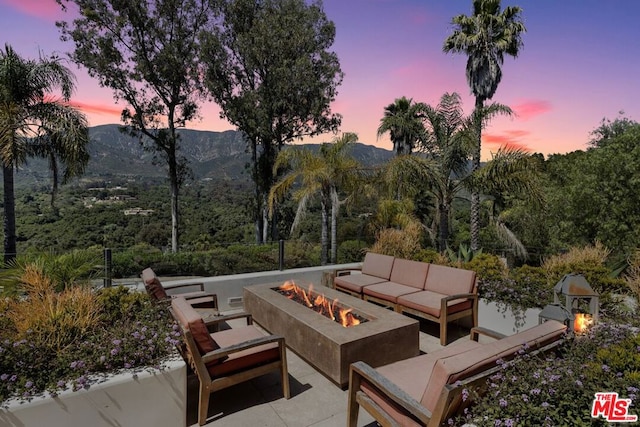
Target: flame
[
  {"x": 320, "y": 303},
  {"x": 581, "y": 322}
]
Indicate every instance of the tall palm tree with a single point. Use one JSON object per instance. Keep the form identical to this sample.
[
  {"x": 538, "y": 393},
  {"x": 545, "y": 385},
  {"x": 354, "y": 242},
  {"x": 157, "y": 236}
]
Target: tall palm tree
[
  {"x": 34, "y": 122},
  {"x": 485, "y": 37},
  {"x": 325, "y": 174},
  {"x": 403, "y": 121}
]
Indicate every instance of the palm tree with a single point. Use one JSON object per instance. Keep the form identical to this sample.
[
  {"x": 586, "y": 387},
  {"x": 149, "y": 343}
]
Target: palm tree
[
  {"x": 510, "y": 174},
  {"x": 403, "y": 121},
  {"x": 485, "y": 37},
  {"x": 324, "y": 173},
  {"x": 33, "y": 122}
]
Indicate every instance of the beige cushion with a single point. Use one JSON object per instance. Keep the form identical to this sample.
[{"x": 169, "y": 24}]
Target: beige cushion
[
  {"x": 464, "y": 365},
  {"x": 431, "y": 302},
  {"x": 191, "y": 320},
  {"x": 410, "y": 273},
  {"x": 388, "y": 291},
  {"x": 152, "y": 284},
  {"x": 355, "y": 282},
  {"x": 412, "y": 376},
  {"x": 377, "y": 265},
  {"x": 448, "y": 280},
  {"x": 244, "y": 359}
]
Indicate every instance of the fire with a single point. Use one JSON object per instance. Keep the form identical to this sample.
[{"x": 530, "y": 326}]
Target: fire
[
  {"x": 581, "y": 322},
  {"x": 319, "y": 303}
]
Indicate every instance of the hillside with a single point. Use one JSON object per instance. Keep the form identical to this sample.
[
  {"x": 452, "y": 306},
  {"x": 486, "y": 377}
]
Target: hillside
[{"x": 213, "y": 155}]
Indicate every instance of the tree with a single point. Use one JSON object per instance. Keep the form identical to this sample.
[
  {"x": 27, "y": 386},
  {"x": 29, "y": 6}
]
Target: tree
[
  {"x": 485, "y": 37},
  {"x": 324, "y": 174},
  {"x": 148, "y": 53},
  {"x": 270, "y": 69},
  {"x": 34, "y": 121},
  {"x": 403, "y": 121}
]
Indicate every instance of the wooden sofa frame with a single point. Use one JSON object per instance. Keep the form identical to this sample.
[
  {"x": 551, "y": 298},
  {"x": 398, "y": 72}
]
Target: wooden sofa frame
[
  {"x": 209, "y": 384},
  {"x": 445, "y": 317},
  {"x": 450, "y": 401}
]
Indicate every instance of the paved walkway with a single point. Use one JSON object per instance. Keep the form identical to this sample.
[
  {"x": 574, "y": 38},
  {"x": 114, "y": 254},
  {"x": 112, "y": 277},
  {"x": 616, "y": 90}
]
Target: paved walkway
[{"x": 315, "y": 400}]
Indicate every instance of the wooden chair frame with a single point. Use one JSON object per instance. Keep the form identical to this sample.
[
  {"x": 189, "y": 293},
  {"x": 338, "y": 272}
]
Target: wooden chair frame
[{"x": 209, "y": 384}]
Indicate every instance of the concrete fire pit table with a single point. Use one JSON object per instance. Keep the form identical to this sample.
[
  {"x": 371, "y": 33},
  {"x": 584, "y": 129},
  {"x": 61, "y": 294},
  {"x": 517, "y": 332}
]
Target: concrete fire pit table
[{"x": 384, "y": 338}]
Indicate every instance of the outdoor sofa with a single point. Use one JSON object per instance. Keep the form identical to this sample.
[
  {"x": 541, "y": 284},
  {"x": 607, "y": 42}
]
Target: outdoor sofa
[
  {"x": 199, "y": 298},
  {"x": 427, "y": 390},
  {"x": 434, "y": 292}
]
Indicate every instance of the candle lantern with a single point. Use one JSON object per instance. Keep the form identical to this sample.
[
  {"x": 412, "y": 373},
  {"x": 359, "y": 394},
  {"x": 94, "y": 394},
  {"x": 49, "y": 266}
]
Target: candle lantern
[{"x": 575, "y": 294}]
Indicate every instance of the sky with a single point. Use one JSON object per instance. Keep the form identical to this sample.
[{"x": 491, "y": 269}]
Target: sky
[{"x": 580, "y": 64}]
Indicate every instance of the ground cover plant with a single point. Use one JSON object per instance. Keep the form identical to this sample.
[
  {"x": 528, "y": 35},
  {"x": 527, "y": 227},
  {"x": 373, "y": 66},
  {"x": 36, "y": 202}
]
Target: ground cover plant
[{"x": 53, "y": 341}]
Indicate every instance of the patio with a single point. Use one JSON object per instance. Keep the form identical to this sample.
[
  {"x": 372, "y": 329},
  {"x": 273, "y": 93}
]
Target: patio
[{"x": 315, "y": 399}]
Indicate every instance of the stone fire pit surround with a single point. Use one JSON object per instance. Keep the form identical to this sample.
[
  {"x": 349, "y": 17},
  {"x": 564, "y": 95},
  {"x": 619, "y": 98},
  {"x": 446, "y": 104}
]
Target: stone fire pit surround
[{"x": 328, "y": 346}]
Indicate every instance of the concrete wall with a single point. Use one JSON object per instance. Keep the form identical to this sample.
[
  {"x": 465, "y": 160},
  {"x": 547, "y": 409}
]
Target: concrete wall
[
  {"x": 229, "y": 288},
  {"x": 149, "y": 399}
]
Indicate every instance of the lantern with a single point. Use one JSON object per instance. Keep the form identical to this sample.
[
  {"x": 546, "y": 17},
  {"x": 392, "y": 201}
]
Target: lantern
[{"x": 575, "y": 294}]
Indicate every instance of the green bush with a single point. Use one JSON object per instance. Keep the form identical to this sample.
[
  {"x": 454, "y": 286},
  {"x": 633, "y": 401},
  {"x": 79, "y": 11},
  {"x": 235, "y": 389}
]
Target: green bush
[
  {"x": 351, "y": 251},
  {"x": 487, "y": 267},
  {"x": 557, "y": 390},
  {"x": 129, "y": 332}
]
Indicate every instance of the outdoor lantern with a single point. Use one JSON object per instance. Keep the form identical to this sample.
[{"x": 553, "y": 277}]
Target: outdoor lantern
[
  {"x": 578, "y": 298},
  {"x": 557, "y": 312}
]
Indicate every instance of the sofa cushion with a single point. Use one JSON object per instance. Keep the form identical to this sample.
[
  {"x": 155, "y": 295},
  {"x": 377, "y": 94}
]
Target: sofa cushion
[
  {"x": 152, "y": 285},
  {"x": 462, "y": 366},
  {"x": 244, "y": 359},
  {"x": 190, "y": 319},
  {"x": 355, "y": 282},
  {"x": 388, "y": 291},
  {"x": 431, "y": 302},
  {"x": 410, "y": 273},
  {"x": 412, "y": 376},
  {"x": 377, "y": 265},
  {"x": 449, "y": 281}
]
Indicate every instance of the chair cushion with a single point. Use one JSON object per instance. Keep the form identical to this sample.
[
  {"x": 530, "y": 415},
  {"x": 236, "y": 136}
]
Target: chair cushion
[
  {"x": 190, "y": 319},
  {"x": 448, "y": 280},
  {"x": 388, "y": 291},
  {"x": 431, "y": 302},
  {"x": 464, "y": 365},
  {"x": 244, "y": 359},
  {"x": 412, "y": 376},
  {"x": 355, "y": 282},
  {"x": 410, "y": 273},
  {"x": 377, "y": 265},
  {"x": 152, "y": 285}
]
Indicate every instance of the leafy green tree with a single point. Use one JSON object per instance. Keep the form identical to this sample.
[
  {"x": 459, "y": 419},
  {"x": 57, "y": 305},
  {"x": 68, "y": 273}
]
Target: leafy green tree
[
  {"x": 270, "y": 69},
  {"x": 324, "y": 174},
  {"x": 484, "y": 37},
  {"x": 593, "y": 194},
  {"x": 148, "y": 53},
  {"x": 403, "y": 121},
  {"x": 34, "y": 122}
]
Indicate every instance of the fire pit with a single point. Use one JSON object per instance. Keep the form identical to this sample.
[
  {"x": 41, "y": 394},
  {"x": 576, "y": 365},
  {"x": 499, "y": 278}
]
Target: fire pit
[{"x": 381, "y": 337}]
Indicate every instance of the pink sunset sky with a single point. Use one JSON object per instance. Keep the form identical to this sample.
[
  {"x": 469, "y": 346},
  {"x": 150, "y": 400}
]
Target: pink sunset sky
[{"x": 580, "y": 63}]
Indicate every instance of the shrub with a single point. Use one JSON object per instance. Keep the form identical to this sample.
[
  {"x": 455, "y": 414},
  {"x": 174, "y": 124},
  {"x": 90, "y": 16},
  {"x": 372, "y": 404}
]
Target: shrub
[
  {"x": 84, "y": 336},
  {"x": 558, "y": 389},
  {"x": 486, "y": 266},
  {"x": 400, "y": 243},
  {"x": 351, "y": 251}
]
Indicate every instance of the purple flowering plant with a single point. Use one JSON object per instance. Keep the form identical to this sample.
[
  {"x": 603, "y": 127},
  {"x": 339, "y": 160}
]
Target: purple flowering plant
[
  {"x": 558, "y": 388},
  {"x": 129, "y": 332}
]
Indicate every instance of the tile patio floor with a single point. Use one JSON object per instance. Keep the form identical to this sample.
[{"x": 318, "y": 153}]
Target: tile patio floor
[{"x": 315, "y": 400}]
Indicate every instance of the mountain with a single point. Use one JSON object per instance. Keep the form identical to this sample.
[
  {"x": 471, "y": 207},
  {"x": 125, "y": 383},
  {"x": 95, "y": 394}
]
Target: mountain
[{"x": 211, "y": 155}]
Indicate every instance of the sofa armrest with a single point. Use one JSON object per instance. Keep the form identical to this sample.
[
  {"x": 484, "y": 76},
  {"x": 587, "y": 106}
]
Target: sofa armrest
[
  {"x": 362, "y": 371},
  {"x": 222, "y": 352},
  {"x": 223, "y": 318},
  {"x": 347, "y": 272},
  {"x": 479, "y": 330}
]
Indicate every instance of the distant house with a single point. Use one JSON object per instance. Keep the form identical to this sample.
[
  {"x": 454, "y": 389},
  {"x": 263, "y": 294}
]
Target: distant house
[{"x": 138, "y": 211}]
